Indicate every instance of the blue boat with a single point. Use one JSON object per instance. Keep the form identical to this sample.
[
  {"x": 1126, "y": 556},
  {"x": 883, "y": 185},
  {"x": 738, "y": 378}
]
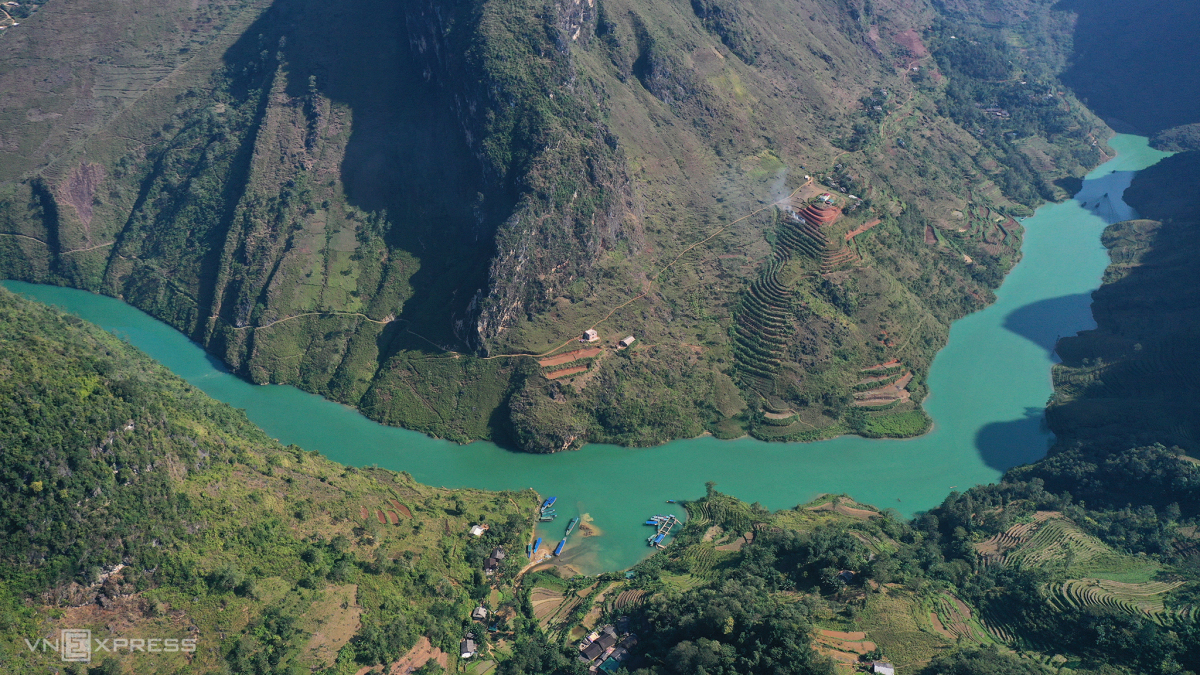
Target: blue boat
[
  {"x": 549, "y": 502},
  {"x": 652, "y": 523},
  {"x": 536, "y": 544},
  {"x": 558, "y": 549}
]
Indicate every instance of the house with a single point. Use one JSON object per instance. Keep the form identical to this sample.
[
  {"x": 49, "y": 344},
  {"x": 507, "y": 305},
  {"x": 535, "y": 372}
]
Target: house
[
  {"x": 493, "y": 562},
  {"x": 480, "y": 613},
  {"x": 608, "y": 638},
  {"x": 468, "y": 647},
  {"x": 478, "y": 530},
  {"x": 592, "y": 651},
  {"x": 626, "y": 342},
  {"x": 589, "y": 335},
  {"x": 883, "y": 668}
]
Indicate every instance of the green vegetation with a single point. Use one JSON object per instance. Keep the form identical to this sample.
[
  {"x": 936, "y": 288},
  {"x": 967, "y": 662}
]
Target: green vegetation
[
  {"x": 129, "y": 492},
  {"x": 389, "y": 205}
]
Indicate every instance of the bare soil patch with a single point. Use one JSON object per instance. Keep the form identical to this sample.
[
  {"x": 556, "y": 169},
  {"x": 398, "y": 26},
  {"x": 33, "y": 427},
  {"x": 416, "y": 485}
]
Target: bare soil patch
[
  {"x": 838, "y": 507},
  {"x": 379, "y": 515},
  {"x": 570, "y": 356},
  {"x": 330, "y": 624},
  {"x": 912, "y": 42},
  {"x": 930, "y": 237},
  {"x": 862, "y": 228},
  {"x": 393, "y": 517},
  {"x": 80, "y": 189},
  {"x": 737, "y": 544},
  {"x": 883, "y": 366},
  {"x": 938, "y": 627},
  {"x": 839, "y": 657},
  {"x": 421, "y": 653},
  {"x": 404, "y": 509},
  {"x": 565, "y": 372},
  {"x": 890, "y": 393}
]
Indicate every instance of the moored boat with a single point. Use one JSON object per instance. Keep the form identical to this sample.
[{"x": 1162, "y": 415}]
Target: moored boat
[
  {"x": 571, "y": 526},
  {"x": 558, "y": 549}
]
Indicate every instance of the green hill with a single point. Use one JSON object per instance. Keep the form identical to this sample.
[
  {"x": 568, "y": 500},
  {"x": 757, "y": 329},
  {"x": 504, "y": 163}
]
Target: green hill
[
  {"x": 134, "y": 505},
  {"x": 390, "y": 203}
]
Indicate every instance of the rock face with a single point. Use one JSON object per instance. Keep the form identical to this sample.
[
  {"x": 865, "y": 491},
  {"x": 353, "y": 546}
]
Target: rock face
[
  {"x": 551, "y": 165},
  {"x": 388, "y": 202}
]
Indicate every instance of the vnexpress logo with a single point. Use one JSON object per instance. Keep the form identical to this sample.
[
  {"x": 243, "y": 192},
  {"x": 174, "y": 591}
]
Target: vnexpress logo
[{"x": 75, "y": 645}]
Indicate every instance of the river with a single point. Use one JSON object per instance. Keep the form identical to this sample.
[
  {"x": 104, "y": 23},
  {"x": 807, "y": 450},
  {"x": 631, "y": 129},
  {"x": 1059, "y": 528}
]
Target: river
[{"x": 989, "y": 387}]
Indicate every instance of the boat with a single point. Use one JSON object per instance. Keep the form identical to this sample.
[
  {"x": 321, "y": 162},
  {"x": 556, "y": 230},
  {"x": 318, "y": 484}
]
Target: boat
[
  {"x": 546, "y": 519},
  {"x": 548, "y": 503},
  {"x": 528, "y": 550},
  {"x": 558, "y": 549},
  {"x": 652, "y": 522},
  {"x": 670, "y": 501},
  {"x": 571, "y": 526},
  {"x": 536, "y": 545}
]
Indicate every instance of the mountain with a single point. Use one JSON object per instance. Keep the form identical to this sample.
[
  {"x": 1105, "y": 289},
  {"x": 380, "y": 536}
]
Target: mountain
[{"x": 415, "y": 207}]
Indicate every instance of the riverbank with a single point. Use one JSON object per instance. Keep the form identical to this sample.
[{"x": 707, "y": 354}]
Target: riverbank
[{"x": 988, "y": 391}]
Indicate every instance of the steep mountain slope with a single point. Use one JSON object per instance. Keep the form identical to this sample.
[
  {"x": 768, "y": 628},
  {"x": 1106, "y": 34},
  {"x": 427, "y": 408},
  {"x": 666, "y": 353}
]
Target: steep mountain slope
[
  {"x": 390, "y": 203},
  {"x": 1133, "y": 379}
]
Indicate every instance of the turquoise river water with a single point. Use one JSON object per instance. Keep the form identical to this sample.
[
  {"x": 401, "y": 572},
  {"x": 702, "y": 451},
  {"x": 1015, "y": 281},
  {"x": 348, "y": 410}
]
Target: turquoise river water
[{"x": 989, "y": 387}]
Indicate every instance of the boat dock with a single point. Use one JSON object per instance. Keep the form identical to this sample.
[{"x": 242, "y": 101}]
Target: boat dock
[{"x": 663, "y": 526}]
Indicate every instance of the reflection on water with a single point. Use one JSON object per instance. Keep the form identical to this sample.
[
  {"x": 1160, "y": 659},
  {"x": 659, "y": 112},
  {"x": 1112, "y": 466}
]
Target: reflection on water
[{"x": 989, "y": 387}]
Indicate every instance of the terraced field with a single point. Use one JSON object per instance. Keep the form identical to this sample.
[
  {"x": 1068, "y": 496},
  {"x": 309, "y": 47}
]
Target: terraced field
[
  {"x": 764, "y": 324},
  {"x": 546, "y": 602},
  {"x": 629, "y": 599},
  {"x": 953, "y": 619},
  {"x": 1098, "y": 576},
  {"x": 891, "y": 619},
  {"x": 764, "y": 315},
  {"x": 730, "y": 515},
  {"x": 994, "y": 551}
]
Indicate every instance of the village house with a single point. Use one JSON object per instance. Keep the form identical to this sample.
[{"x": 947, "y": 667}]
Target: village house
[
  {"x": 493, "y": 562},
  {"x": 589, "y": 335},
  {"x": 480, "y": 613},
  {"x": 626, "y": 342},
  {"x": 467, "y": 647},
  {"x": 883, "y": 668}
]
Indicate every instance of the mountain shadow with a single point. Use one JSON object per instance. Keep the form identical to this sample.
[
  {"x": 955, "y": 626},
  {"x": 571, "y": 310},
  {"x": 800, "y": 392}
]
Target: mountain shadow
[
  {"x": 1126, "y": 49},
  {"x": 1003, "y": 445},
  {"x": 1045, "y": 322}
]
